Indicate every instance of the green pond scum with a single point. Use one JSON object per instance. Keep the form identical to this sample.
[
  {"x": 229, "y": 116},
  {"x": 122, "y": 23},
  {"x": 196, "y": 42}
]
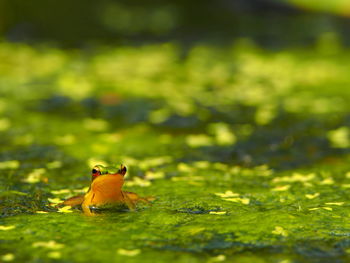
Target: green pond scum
[{"x": 246, "y": 152}]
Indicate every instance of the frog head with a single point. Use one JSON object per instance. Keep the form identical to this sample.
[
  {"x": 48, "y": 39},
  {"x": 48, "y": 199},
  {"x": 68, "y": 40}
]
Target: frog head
[{"x": 102, "y": 170}]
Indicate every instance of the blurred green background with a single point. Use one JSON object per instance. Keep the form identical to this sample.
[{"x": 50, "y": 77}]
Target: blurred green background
[
  {"x": 234, "y": 115},
  {"x": 271, "y": 23}
]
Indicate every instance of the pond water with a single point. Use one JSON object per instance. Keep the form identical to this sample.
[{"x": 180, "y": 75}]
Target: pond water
[{"x": 246, "y": 153}]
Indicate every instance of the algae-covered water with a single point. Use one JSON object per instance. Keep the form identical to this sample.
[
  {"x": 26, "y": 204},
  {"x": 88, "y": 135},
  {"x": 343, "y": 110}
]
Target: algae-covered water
[{"x": 246, "y": 152}]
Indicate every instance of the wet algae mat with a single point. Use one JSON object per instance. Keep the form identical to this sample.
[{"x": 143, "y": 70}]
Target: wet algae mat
[{"x": 245, "y": 151}]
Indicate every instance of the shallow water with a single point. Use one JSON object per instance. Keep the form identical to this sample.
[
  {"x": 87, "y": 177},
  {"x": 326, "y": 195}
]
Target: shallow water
[{"x": 247, "y": 160}]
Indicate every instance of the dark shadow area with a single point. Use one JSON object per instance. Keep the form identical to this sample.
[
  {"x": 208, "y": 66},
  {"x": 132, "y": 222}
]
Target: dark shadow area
[{"x": 82, "y": 23}]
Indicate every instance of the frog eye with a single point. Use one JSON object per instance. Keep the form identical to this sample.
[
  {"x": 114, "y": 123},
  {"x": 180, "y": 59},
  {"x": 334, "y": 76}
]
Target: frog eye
[
  {"x": 122, "y": 169},
  {"x": 96, "y": 171}
]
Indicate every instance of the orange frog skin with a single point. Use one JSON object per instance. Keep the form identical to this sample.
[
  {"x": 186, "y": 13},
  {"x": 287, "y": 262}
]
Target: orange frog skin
[{"x": 105, "y": 188}]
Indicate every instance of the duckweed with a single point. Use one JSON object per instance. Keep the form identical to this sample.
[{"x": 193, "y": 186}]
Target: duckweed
[{"x": 245, "y": 151}]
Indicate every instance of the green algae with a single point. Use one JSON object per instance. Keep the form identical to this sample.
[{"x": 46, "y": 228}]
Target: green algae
[{"x": 245, "y": 151}]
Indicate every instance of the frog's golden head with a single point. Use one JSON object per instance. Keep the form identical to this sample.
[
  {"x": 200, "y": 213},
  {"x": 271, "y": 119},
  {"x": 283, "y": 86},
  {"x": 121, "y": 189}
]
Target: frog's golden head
[{"x": 99, "y": 169}]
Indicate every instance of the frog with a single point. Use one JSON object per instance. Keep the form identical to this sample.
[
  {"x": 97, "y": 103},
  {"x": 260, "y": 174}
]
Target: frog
[{"x": 106, "y": 189}]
